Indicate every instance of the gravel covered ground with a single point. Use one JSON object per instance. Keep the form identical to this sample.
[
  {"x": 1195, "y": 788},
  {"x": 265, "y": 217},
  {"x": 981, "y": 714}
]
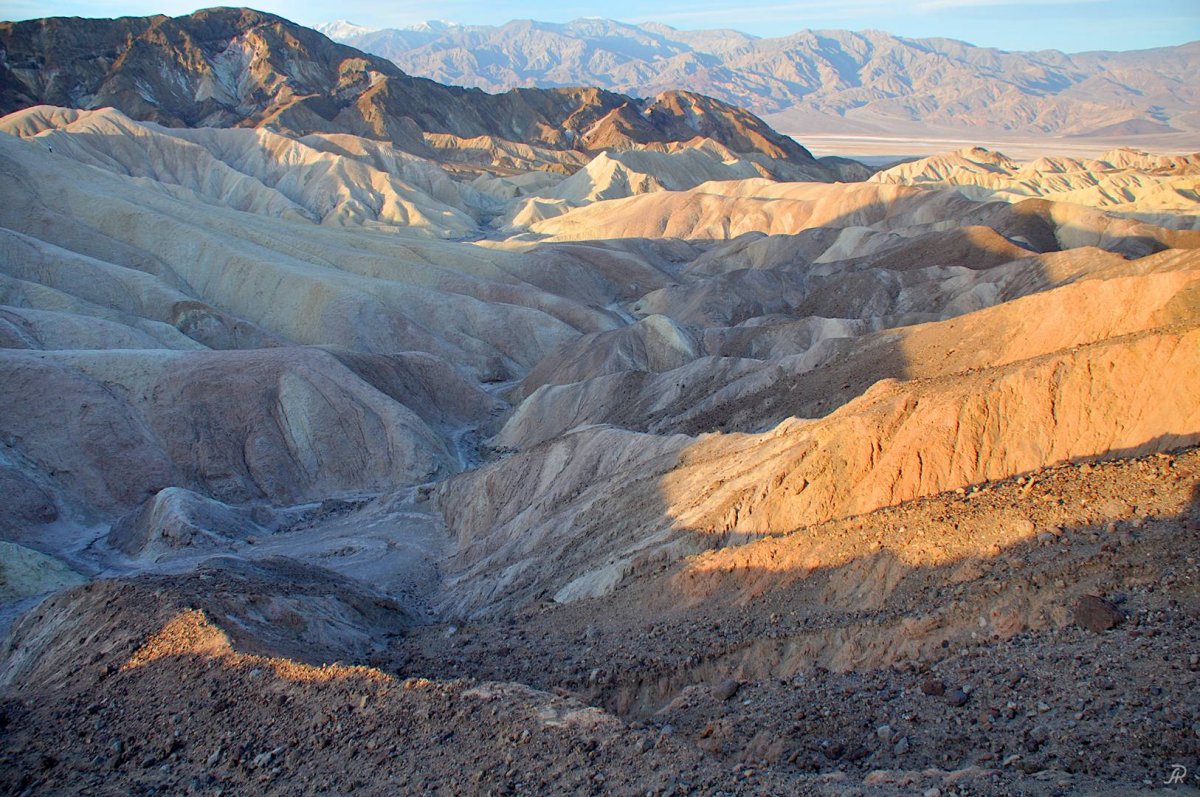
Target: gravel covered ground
[{"x": 878, "y": 672}]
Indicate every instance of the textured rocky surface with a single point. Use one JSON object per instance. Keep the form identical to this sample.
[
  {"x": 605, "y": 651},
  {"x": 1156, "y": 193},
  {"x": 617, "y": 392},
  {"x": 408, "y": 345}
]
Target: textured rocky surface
[
  {"x": 228, "y": 67},
  {"x": 329, "y": 465}
]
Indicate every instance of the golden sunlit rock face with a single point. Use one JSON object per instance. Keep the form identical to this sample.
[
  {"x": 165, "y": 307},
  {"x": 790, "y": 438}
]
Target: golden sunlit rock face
[
  {"x": 364, "y": 435},
  {"x": 191, "y": 634},
  {"x": 900, "y": 442}
]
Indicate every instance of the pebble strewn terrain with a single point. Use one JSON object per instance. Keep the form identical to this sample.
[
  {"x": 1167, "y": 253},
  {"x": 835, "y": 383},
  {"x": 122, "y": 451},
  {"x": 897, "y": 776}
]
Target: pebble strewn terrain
[
  {"x": 364, "y": 435},
  {"x": 700, "y": 694}
]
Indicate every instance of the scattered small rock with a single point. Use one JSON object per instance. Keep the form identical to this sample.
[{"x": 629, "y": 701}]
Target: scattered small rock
[
  {"x": 857, "y": 753},
  {"x": 957, "y": 698},
  {"x": 1095, "y": 614},
  {"x": 726, "y": 689}
]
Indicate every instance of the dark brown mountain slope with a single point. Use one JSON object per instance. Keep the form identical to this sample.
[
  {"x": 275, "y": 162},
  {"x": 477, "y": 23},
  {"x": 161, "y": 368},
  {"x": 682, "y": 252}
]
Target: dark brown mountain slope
[{"x": 229, "y": 67}]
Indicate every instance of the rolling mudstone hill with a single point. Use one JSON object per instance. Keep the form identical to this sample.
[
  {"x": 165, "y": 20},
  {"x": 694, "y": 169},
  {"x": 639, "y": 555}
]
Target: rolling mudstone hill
[{"x": 332, "y": 463}]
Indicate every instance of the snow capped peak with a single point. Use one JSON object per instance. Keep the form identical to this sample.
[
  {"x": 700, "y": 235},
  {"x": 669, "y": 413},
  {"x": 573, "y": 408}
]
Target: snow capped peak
[{"x": 342, "y": 29}]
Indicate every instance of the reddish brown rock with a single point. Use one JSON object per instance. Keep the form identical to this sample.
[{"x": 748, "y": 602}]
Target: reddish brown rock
[{"x": 1096, "y": 614}]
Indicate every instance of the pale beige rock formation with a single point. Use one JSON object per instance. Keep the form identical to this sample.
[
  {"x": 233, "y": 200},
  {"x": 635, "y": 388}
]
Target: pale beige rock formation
[
  {"x": 1154, "y": 188},
  {"x": 839, "y": 348},
  {"x": 281, "y": 424}
]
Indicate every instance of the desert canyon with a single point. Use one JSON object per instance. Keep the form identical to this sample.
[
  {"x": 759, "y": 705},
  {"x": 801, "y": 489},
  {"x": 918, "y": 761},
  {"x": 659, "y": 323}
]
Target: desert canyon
[{"x": 365, "y": 434}]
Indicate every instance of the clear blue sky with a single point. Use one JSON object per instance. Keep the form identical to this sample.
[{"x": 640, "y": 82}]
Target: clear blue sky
[{"x": 1071, "y": 25}]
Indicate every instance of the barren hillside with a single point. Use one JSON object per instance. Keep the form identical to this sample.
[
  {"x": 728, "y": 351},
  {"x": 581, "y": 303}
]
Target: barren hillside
[
  {"x": 332, "y": 464},
  {"x": 822, "y": 81}
]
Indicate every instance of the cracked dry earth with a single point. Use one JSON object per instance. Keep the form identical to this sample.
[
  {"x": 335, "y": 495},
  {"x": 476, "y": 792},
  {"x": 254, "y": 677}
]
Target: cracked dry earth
[{"x": 1048, "y": 645}]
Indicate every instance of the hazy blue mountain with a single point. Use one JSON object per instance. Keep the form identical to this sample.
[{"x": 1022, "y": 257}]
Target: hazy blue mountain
[{"x": 831, "y": 81}]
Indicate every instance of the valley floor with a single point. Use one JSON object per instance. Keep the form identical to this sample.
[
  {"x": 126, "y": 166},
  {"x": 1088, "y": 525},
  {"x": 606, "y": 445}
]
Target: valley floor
[{"x": 981, "y": 676}]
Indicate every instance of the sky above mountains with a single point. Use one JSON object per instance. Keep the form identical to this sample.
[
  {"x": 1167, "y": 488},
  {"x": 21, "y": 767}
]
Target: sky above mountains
[{"x": 1069, "y": 25}]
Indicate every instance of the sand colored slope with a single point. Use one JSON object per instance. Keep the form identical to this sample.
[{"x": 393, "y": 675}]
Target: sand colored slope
[
  {"x": 22, "y": 328},
  {"x": 655, "y": 343},
  {"x": 252, "y": 170},
  {"x": 975, "y": 246},
  {"x": 526, "y": 526},
  {"x": 833, "y": 291},
  {"x": 615, "y": 175},
  {"x": 576, "y": 534},
  {"x": 723, "y": 209},
  {"x": 98, "y": 304},
  {"x": 778, "y": 367},
  {"x": 634, "y": 399},
  {"x": 898, "y": 443},
  {"x": 291, "y": 278},
  {"x": 720, "y": 211},
  {"x": 1157, "y": 188}
]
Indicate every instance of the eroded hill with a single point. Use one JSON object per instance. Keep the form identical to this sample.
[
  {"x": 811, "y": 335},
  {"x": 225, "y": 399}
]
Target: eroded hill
[{"x": 330, "y": 465}]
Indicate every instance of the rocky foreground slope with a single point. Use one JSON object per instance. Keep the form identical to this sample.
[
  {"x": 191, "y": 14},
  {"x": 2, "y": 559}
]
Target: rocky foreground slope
[{"x": 330, "y": 466}]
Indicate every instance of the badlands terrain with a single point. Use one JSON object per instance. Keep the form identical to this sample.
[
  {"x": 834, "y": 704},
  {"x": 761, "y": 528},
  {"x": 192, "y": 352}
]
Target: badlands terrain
[{"x": 360, "y": 434}]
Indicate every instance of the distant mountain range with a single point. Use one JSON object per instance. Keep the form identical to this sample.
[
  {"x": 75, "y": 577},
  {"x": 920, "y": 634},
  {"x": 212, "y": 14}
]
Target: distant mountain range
[
  {"x": 830, "y": 81},
  {"x": 229, "y": 67}
]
